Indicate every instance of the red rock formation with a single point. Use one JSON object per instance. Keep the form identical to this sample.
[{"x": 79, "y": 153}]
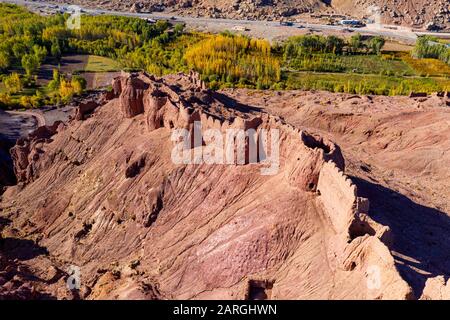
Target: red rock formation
[
  {"x": 117, "y": 87},
  {"x": 112, "y": 202},
  {"x": 131, "y": 97},
  {"x": 85, "y": 108},
  {"x": 27, "y": 151},
  {"x": 436, "y": 289}
]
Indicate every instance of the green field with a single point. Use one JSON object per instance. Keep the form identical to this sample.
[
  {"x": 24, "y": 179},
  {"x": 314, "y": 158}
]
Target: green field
[
  {"x": 100, "y": 64},
  {"x": 367, "y": 64},
  {"x": 374, "y": 64},
  {"x": 364, "y": 84},
  {"x": 426, "y": 66}
]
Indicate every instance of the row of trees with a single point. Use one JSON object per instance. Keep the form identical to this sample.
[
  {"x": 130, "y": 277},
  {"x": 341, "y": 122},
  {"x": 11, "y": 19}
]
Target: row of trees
[
  {"x": 21, "y": 43},
  {"x": 234, "y": 59},
  {"x": 23, "y": 50},
  {"x": 28, "y": 39},
  {"x": 428, "y": 47},
  {"x": 307, "y": 45},
  {"x": 364, "y": 84},
  {"x": 21, "y": 31}
]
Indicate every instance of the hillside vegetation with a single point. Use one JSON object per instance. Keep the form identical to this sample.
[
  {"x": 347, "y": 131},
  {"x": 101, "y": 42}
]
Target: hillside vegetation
[
  {"x": 356, "y": 65},
  {"x": 234, "y": 59}
]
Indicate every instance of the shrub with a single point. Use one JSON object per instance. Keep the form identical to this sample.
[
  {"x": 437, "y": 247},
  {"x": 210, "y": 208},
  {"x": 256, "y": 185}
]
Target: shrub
[{"x": 13, "y": 83}]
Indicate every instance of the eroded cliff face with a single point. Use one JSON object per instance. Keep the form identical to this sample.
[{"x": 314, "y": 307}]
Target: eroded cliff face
[
  {"x": 104, "y": 195},
  {"x": 397, "y": 154}
]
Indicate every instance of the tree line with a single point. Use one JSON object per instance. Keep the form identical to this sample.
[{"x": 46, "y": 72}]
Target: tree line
[
  {"x": 429, "y": 47},
  {"x": 27, "y": 40},
  {"x": 306, "y": 47},
  {"x": 234, "y": 60}
]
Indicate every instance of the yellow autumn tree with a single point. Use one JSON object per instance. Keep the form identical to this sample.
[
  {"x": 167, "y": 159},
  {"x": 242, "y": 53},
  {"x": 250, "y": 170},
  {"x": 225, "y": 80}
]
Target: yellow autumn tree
[
  {"x": 69, "y": 88},
  {"x": 13, "y": 83},
  {"x": 234, "y": 58},
  {"x": 65, "y": 90}
]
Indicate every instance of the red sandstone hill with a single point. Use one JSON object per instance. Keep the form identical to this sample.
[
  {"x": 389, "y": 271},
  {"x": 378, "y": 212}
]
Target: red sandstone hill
[{"x": 365, "y": 221}]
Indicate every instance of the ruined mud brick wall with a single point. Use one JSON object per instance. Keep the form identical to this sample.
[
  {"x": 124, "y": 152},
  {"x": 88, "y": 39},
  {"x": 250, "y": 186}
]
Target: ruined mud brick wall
[
  {"x": 166, "y": 106},
  {"x": 339, "y": 196},
  {"x": 309, "y": 162},
  {"x": 348, "y": 213}
]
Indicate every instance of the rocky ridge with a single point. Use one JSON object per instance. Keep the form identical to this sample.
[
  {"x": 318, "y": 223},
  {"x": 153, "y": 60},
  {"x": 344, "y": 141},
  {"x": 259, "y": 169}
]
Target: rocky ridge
[{"x": 101, "y": 192}]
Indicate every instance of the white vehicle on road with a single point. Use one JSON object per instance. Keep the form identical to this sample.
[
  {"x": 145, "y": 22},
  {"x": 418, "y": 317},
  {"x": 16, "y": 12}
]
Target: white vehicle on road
[{"x": 239, "y": 28}]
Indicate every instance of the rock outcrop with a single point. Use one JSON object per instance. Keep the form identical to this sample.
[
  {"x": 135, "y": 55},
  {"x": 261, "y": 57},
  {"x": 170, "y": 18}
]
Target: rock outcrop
[
  {"x": 436, "y": 289},
  {"x": 396, "y": 151},
  {"x": 105, "y": 192},
  {"x": 131, "y": 96},
  {"x": 28, "y": 151},
  {"x": 84, "y": 109}
]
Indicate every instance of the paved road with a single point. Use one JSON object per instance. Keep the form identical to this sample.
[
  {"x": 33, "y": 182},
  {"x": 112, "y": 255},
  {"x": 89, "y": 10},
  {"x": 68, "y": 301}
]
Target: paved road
[{"x": 402, "y": 34}]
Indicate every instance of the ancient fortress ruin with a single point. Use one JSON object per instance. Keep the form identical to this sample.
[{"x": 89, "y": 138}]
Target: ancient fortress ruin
[{"x": 311, "y": 166}]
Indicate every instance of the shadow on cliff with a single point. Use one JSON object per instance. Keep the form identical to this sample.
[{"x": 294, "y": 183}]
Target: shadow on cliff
[
  {"x": 18, "y": 282},
  {"x": 421, "y": 234},
  {"x": 21, "y": 249},
  {"x": 17, "y": 278},
  {"x": 4, "y": 222},
  {"x": 233, "y": 103},
  {"x": 7, "y": 177}
]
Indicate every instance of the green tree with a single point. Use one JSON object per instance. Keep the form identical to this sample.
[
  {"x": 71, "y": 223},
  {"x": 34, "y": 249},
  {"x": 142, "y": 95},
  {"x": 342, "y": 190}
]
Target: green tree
[
  {"x": 31, "y": 63},
  {"x": 178, "y": 29},
  {"x": 13, "y": 83},
  {"x": 54, "y": 83},
  {"x": 429, "y": 47},
  {"x": 5, "y": 99},
  {"x": 40, "y": 52},
  {"x": 376, "y": 44},
  {"x": 37, "y": 100},
  {"x": 18, "y": 50},
  {"x": 26, "y": 102},
  {"x": 356, "y": 42},
  {"x": 4, "y": 60},
  {"x": 56, "y": 75},
  {"x": 161, "y": 25},
  {"x": 78, "y": 83},
  {"x": 334, "y": 44},
  {"x": 55, "y": 49}
]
